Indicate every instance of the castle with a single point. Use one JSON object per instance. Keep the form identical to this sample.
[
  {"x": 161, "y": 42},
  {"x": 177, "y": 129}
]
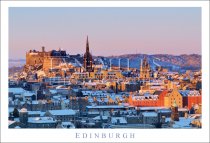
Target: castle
[{"x": 45, "y": 60}]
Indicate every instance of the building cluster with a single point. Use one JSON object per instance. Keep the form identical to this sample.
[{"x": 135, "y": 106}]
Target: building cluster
[
  {"x": 184, "y": 98},
  {"x": 57, "y": 90}
]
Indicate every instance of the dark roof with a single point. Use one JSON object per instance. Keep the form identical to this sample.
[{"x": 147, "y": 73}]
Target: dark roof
[{"x": 158, "y": 92}]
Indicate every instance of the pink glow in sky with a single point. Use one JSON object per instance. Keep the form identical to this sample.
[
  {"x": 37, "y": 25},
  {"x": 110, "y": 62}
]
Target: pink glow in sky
[{"x": 111, "y": 31}]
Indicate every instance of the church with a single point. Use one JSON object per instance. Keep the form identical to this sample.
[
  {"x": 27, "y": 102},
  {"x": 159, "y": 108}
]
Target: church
[
  {"x": 88, "y": 60},
  {"x": 145, "y": 69}
]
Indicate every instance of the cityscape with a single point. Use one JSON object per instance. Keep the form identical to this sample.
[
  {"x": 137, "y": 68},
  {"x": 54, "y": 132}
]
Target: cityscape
[
  {"x": 55, "y": 89},
  {"x": 105, "y": 68}
]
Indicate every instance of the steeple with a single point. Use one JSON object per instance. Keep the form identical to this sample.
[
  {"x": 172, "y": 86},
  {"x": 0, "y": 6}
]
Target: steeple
[
  {"x": 87, "y": 45},
  {"x": 88, "y": 58}
]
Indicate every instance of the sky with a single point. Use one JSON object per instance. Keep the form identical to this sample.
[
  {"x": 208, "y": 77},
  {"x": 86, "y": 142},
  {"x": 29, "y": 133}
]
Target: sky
[{"x": 111, "y": 31}]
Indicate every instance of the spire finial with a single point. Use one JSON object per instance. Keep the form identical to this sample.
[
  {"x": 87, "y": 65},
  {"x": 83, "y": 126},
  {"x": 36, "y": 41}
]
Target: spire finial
[{"x": 87, "y": 45}]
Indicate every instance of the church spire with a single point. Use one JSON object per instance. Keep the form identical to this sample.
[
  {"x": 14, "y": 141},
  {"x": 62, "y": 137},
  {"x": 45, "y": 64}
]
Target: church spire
[{"x": 87, "y": 45}]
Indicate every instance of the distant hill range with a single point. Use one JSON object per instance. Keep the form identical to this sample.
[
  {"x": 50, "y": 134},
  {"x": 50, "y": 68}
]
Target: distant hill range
[
  {"x": 173, "y": 62},
  {"x": 16, "y": 62}
]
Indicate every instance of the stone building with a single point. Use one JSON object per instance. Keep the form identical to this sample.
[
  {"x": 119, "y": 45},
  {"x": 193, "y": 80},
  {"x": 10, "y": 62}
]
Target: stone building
[
  {"x": 63, "y": 115},
  {"x": 171, "y": 96},
  {"x": 88, "y": 60},
  {"x": 45, "y": 60},
  {"x": 145, "y": 69},
  {"x": 41, "y": 122}
]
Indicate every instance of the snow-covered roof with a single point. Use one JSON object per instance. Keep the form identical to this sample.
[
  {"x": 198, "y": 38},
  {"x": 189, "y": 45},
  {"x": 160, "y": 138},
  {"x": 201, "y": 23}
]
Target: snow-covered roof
[
  {"x": 149, "y": 114},
  {"x": 164, "y": 111},
  {"x": 11, "y": 122},
  {"x": 34, "y": 112},
  {"x": 35, "y": 102},
  {"x": 16, "y": 90},
  {"x": 152, "y": 108},
  {"x": 53, "y": 91},
  {"x": 105, "y": 106},
  {"x": 146, "y": 96},
  {"x": 99, "y": 117},
  {"x": 62, "y": 112},
  {"x": 23, "y": 110},
  {"x": 182, "y": 123},
  {"x": 67, "y": 125},
  {"x": 94, "y": 93},
  {"x": 28, "y": 93},
  {"x": 121, "y": 120},
  {"x": 189, "y": 93},
  {"x": 41, "y": 120},
  {"x": 11, "y": 109}
]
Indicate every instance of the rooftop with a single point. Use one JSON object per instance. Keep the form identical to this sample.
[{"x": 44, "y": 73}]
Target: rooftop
[
  {"x": 189, "y": 93},
  {"x": 67, "y": 125},
  {"x": 152, "y": 108},
  {"x": 62, "y": 112},
  {"x": 99, "y": 117},
  {"x": 41, "y": 120},
  {"x": 121, "y": 120},
  {"x": 106, "y": 106},
  {"x": 149, "y": 114},
  {"x": 182, "y": 123},
  {"x": 23, "y": 110},
  {"x": 16, "y": 90}
]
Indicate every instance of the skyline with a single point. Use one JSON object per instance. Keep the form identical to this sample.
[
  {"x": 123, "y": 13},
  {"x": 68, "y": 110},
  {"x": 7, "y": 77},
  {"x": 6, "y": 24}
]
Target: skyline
[{"x": 148, "y": 30}]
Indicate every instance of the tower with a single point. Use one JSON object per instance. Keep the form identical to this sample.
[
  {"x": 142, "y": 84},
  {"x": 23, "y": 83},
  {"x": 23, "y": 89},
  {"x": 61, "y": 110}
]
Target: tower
[
  {"x": 144, "y": 69},
  {"x": 174, "y": 112},
  {"x": 88, "y": 60}
]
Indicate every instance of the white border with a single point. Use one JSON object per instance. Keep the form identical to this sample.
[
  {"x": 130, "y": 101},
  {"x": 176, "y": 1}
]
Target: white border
[{"x": 146, "y": 135}]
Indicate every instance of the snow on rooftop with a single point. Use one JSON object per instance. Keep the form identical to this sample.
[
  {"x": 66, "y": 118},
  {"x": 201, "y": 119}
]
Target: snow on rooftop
[
  {"x": 11, "y": 109},
  {"x": 53, "y": 91},
  {"x": 99, "y": 117},
  {"x": 189, "y": 92},
  {"x": 34, "y": 112},
  {"x": 182, "y": 123},
  {"x": 106, "y": 106},
  {"x": 62, "y": 112},
  {"x": 122, "y": 120},
  {"x": 153, "y": 108},
  {"x": 67, "y": 125},
  {"x": 35, "y": 102},
  {"x": 28, "y": 93},
  {"x": 41, "y": 120},
  {"x": 17, "y": 90},
  {"x": 11, "y": 122},
  {"x": 149, "y": 114},
  {"x": 23, "y": 110}
]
